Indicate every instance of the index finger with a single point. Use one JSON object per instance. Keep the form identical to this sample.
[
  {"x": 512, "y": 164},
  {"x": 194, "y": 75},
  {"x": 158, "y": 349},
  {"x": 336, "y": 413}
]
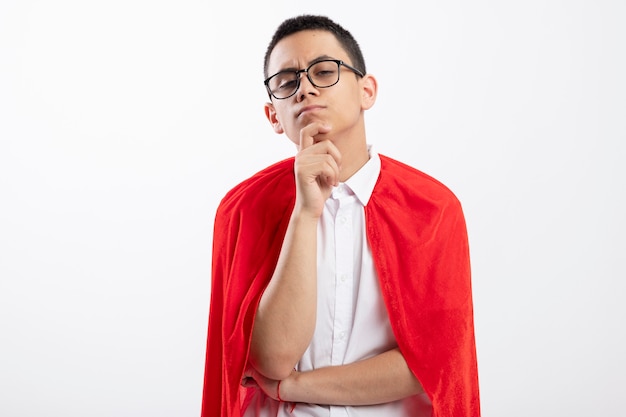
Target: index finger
[{"x": 308, "y": 132}]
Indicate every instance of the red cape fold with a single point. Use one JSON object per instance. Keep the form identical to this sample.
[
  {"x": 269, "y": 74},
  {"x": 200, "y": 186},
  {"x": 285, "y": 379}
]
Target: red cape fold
[{"x": 416, "y": 229}]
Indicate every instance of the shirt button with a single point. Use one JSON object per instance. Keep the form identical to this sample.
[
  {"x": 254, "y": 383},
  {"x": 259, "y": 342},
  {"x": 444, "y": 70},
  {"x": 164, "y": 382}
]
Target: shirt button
[
  {"x": 342, "y": 335},
  {"x": 343, "y": 277}
]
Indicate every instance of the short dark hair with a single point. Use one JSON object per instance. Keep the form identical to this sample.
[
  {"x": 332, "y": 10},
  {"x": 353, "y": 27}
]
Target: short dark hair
[{"x": 312, "y": 22}]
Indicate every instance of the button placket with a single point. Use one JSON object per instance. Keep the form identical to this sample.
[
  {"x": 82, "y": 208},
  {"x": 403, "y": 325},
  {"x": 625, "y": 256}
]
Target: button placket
[{"x": 343, "y": 283}]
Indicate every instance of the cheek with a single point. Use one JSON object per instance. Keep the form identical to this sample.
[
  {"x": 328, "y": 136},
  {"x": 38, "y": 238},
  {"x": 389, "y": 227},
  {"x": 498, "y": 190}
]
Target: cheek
[
  {"x": 350, "y": 110},
  {"x": 288, "y": 125},
  {"x": 293, "y": 133}
]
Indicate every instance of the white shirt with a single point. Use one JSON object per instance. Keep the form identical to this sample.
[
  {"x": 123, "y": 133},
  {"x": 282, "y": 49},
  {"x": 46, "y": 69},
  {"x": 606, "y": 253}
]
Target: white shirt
[{"x": 352, "y": 322}]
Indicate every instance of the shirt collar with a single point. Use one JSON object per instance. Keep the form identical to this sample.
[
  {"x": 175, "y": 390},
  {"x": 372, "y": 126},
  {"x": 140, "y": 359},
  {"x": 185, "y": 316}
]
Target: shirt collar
[{"x": 363, "y": 181}]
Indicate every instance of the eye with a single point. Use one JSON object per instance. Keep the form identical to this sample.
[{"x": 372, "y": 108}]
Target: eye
[
  {"x": 325, "y": 73},
  {"x": 324, "y": 70},
  {"x": 287, "y": 84}
]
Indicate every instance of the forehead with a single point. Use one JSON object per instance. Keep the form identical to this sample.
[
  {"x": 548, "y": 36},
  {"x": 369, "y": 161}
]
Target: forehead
[{"x": 299, "y": 49}]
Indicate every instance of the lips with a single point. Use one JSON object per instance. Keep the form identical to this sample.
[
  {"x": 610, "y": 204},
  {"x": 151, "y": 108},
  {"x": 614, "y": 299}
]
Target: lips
[{"x": 308, "y": 109}]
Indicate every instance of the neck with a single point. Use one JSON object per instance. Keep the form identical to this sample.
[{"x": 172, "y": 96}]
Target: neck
[
  {"x": 352, "y": 159},
  {"x": 352, "y": 145}
]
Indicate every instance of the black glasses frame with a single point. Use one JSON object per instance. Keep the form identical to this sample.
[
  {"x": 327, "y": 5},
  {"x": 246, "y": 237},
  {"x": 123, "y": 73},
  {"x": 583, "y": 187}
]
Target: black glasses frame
[{"x": 306, "y": 71}]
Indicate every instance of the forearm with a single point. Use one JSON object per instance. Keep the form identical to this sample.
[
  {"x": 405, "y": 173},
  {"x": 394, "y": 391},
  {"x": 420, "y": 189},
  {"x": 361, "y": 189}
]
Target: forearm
[
  {"x": 285, "y": 319},
  {"x": 380, "y": 379}
]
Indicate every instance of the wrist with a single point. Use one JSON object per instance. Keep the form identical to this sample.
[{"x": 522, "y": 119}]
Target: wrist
[
  {"x": 305, "y": 217},
  {"x": 278, "y": 396},
  {"x": 286, "y": 388}
]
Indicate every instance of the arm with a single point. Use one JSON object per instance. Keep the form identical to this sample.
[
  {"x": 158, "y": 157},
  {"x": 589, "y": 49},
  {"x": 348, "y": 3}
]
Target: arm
[
  {"x": 285, "y": 319},
  {"x": 380, "y": 379}
]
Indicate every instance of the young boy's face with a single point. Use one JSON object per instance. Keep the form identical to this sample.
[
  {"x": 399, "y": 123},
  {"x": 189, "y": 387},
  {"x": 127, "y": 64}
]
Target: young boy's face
[{"x": 339, "y": 107}]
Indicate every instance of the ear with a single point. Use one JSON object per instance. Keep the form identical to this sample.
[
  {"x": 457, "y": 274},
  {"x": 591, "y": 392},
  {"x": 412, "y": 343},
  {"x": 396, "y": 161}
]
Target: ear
[
  {"x": 368, "y": 91},
  {"x": 270, "y": 113}
]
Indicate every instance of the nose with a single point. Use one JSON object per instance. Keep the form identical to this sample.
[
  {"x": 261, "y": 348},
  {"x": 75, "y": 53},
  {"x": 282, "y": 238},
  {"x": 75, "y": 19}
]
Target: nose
[{"x": 305, "y": 85}]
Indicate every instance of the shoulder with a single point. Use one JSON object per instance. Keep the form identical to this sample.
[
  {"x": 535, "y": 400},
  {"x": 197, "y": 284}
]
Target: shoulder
[
  {"x": 271, "y": 185},
  {"x": 408, "y": 202},
  {"x": 399, "y": 178}
]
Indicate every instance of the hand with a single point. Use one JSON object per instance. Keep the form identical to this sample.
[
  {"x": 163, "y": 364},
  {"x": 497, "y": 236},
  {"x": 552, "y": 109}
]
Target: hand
[
  {"x": 317, "y": 168},
  {"x": 254, "y": 379}
]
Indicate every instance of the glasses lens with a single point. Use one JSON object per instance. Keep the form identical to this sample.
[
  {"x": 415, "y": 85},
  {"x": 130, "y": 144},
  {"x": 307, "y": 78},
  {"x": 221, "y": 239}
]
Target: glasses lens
[
  {"x": 283, "y": 84},
  {"x": 324, "y": 73}
]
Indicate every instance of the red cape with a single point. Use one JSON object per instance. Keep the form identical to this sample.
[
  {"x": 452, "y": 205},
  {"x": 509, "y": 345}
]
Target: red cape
[{"x": 416, "y": 229}]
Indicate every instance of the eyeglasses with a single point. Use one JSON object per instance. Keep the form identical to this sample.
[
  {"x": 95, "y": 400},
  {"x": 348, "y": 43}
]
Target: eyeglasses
[{"x": 322, "y": 74}]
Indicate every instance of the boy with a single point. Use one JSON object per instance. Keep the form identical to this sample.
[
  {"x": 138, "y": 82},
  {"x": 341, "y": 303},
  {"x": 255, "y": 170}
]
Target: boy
[{"x": 341, "y": 278}]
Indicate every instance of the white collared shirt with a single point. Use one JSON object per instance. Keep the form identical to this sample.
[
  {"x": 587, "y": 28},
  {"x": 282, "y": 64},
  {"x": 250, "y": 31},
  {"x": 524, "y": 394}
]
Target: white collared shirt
[{"x": 352, "y": 322}]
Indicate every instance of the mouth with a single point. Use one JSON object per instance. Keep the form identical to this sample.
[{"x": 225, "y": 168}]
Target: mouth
[{"x": 309, "y": 109}]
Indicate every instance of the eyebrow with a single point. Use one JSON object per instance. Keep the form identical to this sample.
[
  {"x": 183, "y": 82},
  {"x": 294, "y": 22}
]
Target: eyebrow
[{"x": 313, "y": 61}]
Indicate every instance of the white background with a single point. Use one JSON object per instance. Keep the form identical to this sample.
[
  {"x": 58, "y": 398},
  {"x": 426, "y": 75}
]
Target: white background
[{"x": 123, "y": 122}]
